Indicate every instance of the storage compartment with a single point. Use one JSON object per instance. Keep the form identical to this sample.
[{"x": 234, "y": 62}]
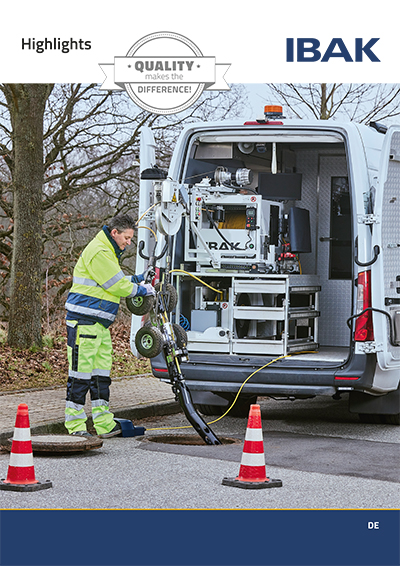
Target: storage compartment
[
  {"x": 253, "y": 314},
  {"x": 270, "y": 230}
]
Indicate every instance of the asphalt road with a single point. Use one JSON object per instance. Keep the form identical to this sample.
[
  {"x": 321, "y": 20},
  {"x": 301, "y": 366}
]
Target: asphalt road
[{"x": 325, "y": 458}]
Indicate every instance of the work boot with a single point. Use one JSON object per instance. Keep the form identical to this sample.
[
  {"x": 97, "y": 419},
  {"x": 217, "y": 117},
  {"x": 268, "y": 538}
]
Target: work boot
[
  {"x": 81, "y": 433},
  {"x": 114, "y": 432}
]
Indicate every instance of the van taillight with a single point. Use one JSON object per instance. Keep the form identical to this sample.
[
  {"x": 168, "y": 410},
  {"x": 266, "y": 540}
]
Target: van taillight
[{"x": 364, "y": 331}]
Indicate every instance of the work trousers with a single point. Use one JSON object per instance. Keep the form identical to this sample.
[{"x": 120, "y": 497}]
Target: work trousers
[{"x": 90, "y": 358}]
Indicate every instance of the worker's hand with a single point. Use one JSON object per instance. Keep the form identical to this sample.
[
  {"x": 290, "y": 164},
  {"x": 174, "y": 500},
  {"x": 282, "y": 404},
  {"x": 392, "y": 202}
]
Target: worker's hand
[
  {"x": 149, "y": 273},
  {"x": 149, "y": 288}
]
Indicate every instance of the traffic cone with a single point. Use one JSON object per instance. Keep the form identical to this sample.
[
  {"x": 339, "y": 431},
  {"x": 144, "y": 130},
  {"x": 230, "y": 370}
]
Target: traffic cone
[
  {"x": 252, "y": 473},
  {"x": 21, "y": 473}
]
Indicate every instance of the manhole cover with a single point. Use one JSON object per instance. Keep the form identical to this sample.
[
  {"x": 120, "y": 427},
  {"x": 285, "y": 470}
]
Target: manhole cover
[
  {"x": 61, "y": 443},
  {"x": 189, "y": 439}
]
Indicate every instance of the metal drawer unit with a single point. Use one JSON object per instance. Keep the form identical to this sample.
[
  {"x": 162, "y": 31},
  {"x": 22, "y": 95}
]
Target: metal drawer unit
[
  {"x": 264, "y": 320},
  {"x": 263, "y": 315}
]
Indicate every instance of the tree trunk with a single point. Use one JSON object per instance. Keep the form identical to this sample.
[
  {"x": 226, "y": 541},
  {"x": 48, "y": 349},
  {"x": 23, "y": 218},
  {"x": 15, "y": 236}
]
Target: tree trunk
[
  {"x": 324, "y": 109},
  {"x": 26, "y": 103}
]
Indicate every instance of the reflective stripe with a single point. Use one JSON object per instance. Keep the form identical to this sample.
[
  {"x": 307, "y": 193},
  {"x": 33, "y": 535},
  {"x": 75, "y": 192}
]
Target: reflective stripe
[
  {"x": 86, "y": 375},
  {"x": 74, "y": 406},
  {"x": 92, "y": 312},
  {"x": 80, "y": 416},
  {"x": 22, "y": 434},
  {"x": 101, "y": 372},
  {"x": 96, "y": 415},
  {"x": 79, "y": 374},
  {"x": 21, "y": 460},
  {"x": 252, "y": 459},
  {"x": 254, "y": 434},
  {"x": 84, "y": 281},
  {"x": 99, "y": 403},
  {"x": 113, "y": 280}
]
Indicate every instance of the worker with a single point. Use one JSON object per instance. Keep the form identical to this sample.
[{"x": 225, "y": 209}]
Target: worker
[{"x": 92, "y": 305}]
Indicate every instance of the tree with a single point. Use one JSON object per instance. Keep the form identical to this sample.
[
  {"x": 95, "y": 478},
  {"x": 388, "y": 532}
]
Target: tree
[
  {"x": 88, "y": 173},
  {"x": 26, "y": 103},
  {"x": 359, "y": 102}
]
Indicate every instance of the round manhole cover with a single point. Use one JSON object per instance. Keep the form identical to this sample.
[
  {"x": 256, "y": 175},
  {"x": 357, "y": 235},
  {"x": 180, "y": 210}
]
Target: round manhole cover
[
  {"x": 188, "y": 439},
  {"x": 62, "y": 443}
]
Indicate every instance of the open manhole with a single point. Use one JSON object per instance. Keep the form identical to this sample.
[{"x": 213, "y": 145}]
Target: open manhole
[
  {"x": 188, "y": 439},
  {"x": 61, "y": 443}
]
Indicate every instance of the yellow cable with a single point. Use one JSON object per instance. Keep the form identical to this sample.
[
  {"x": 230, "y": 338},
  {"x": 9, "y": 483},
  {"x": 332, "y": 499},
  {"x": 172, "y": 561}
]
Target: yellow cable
[
  {"x": 243, "y": 384},
  {"x": 234, "y": 401},
  {"x": 148, "y": 210},
  {"x": 197, "y": 279},
  {"x": 152, "y": 231},
  {"x": 238, "y": 393}
]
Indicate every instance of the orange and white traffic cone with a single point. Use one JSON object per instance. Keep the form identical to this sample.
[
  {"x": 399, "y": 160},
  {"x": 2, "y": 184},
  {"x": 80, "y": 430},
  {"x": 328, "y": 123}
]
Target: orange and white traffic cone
[
  {"x": 252, "y": 473},
  {"x": 21, "y": 472}
]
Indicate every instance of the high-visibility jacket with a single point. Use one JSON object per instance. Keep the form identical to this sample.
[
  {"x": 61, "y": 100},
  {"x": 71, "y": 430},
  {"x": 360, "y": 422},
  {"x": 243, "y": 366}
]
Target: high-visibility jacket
[{"x": 99, "y": 283}]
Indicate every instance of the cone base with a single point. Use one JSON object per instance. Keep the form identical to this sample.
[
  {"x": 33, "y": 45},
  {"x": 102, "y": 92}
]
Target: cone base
[
  {"x": 25, "y": 487},
  {"x": 234, "y": 482}
]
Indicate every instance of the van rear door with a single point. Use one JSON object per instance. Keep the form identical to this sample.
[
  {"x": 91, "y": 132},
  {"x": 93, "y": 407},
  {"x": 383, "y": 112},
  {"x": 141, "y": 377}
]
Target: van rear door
[
  {"x": 147, "y": 160},
  {"x": 385, "y": 271}
]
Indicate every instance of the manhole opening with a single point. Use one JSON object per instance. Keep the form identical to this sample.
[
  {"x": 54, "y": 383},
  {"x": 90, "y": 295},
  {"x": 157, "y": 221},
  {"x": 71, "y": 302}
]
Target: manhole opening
[{"x": 188, "y": 439}]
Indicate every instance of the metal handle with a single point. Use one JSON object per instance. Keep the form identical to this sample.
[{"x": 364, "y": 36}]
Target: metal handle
[
  {"x": 142, "y": 243},
  {"x": 368, "y": 263},
  {"x": 322, "y": 239}
]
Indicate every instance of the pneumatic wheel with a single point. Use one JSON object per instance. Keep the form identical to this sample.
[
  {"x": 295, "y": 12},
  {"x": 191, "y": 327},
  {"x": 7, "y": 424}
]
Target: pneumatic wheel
[
  {"x": 149, "y": 341},
  {"x": 169, "y": 295},
  {"x": 180, "y": 335},
  {"x": 140, "y": 305}
]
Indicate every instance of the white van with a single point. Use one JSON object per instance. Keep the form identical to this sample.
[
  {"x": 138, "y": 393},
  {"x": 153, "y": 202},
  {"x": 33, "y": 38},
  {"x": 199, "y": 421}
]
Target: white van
[{"x": 282, "y": 239}]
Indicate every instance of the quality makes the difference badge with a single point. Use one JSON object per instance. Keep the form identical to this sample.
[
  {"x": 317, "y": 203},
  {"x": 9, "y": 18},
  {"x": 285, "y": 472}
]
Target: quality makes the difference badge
[{"x": 164, "y": 73}]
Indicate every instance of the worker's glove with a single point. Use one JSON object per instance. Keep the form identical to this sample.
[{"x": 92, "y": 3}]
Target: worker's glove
[
  {"x": 149, "y": 274},
  {"x": 137, "y": 278},
  {"x": 145, "y": 276},
  {"x": 145, "y": 289}
]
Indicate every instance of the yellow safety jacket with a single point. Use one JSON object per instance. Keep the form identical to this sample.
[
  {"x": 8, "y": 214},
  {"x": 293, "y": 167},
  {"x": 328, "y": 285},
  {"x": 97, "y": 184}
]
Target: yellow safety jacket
[{"x": 99, "y": 283}]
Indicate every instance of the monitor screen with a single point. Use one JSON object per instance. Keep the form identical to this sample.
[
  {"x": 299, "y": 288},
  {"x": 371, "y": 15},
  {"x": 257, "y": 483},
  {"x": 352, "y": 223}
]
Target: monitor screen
[{"x": 280, "y": 186}]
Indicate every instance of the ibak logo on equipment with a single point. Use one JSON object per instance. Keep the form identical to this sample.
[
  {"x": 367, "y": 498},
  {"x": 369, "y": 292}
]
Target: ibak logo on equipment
[
  {"x": 308, "y": 50},
  {"x": 165, "y": 84},
  {"x": 224, "y": 246}
]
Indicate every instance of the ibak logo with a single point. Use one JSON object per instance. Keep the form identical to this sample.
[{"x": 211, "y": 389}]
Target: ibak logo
[
  {"x": 308, "y": 50},
  {"x": 224, "y": 246}
]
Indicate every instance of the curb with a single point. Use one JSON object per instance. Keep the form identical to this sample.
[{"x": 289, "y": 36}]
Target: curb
[{"x": 132, "y": 413}]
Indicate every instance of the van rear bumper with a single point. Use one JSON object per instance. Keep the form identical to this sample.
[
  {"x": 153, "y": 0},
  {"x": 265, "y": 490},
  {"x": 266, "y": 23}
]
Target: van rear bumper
[{"x": 285, "y": 377}]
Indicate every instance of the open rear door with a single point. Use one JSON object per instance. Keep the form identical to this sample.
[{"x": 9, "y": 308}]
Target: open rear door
[
  {"x": 385, "y": 271},
  {"x": 147, "y": 159}
]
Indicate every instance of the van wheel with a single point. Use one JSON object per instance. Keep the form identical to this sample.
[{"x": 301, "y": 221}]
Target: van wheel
[
  {"x": 392, "y": 419},
  {"x": 210, "y": 410},
  {"x": 368, "y": 418},
  {"x": 140, "y": 305},
  {"x": 149, "y": 341},
  {"x": 169, "y": 296},
  {"x": 241, "y": 408}
]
